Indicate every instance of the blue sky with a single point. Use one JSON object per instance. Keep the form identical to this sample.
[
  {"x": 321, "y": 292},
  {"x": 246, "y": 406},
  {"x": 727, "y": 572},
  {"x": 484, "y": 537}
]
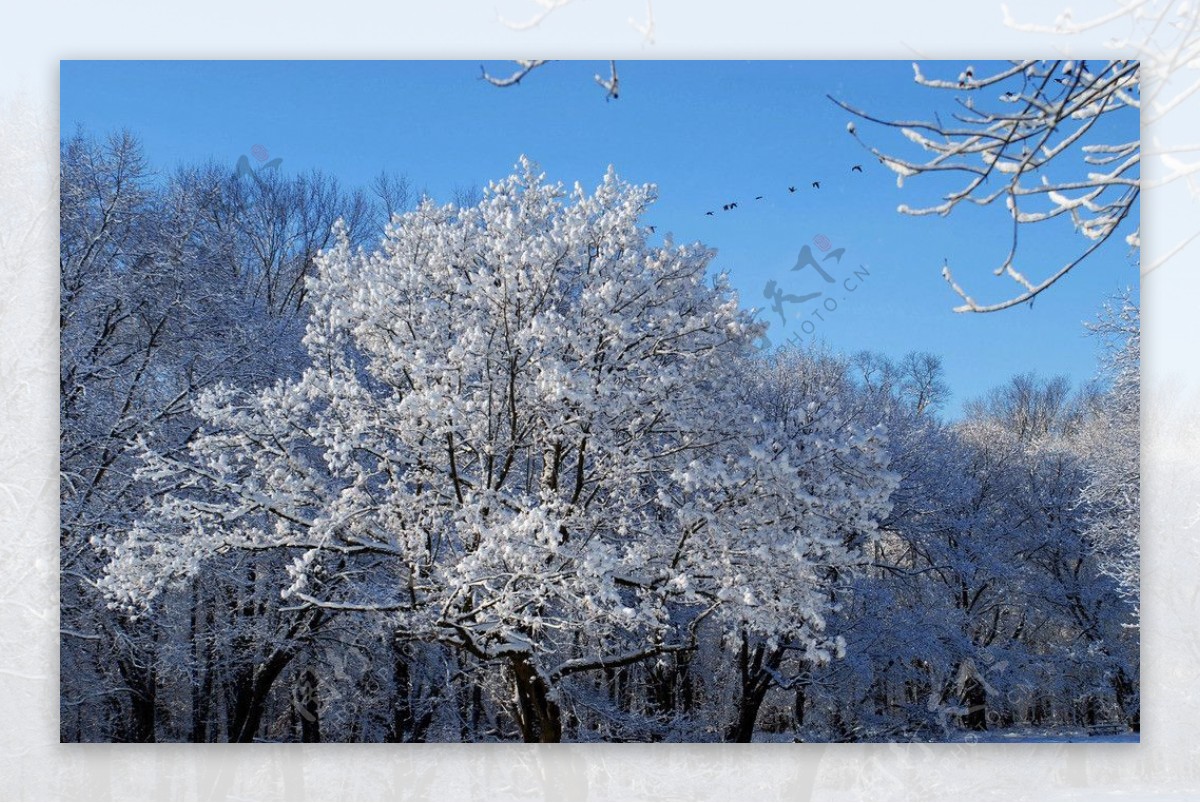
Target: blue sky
[{"x": 707, "y": 133}]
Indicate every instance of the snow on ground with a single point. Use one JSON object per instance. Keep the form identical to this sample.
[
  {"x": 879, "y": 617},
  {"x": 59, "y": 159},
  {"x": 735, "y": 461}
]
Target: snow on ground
[{"x": 1010, "y": 735}]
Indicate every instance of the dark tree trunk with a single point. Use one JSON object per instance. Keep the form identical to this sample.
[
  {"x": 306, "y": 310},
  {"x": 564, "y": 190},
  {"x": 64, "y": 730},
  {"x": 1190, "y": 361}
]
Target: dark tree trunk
[
  {"x": 253, "y": 681},
  {"x": 1127, "y": 700},
  {"x": 618, "y": 686},
  {"x": 476, "y": 709},
  {"x": 141, "y": 680},
  {"x": 202, "y": 667},
  {"x": 462, "y": 698},
  {"x": 756, "y": 681},
  {"x": 748, "y": 706},
  {"x": 662, "y": 690},
  {"x": 671, "y": 687},
  {"x": 684, "y": 665},
  {"x": 251, "y": 697},
  {"x": 538, "y": 716},
  {"x": 798, "y": 708},
  {"x": 402, "y": 712},
  {"x": 142, "y": 683}
]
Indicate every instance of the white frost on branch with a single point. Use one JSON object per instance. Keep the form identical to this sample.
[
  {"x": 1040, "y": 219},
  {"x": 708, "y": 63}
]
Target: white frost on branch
[
  {"x": 1165, "y": 38},
  {"x": 524, "y": 67},
  {"x": 545, "y": 9},
  {"x": 1041, "y": 126}
]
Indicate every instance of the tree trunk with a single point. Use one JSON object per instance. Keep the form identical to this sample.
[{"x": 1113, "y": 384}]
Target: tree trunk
[
  {"x": 538, "y": 715},
  {"x": 798, "y": 707},
  {"x": 756, "y": 681},
  {"x": 748, "y": 706},
  {"x": 402, "y": 713},
  {"x": 141, "y": 681},
  {"x": 202, "y": 666},
  {"x": 1127, "y": 700},
  {"x": 251, "y": 699},
  {"x": 142, "y": 685}
]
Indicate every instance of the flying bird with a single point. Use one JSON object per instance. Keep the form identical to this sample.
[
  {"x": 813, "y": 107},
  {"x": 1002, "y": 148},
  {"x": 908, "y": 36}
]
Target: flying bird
[
  {"x": 816, "y": 185},
  {"x": 708, "y": 213},
  {"x": 856, "y": 169},
  {"x": 733, "y": 204},
  {"x": 652, "y": 229},
  {"x": 758, "y": 197},
  {"x": 791, "y": 189},
  {"x": 725, "y": 208}
]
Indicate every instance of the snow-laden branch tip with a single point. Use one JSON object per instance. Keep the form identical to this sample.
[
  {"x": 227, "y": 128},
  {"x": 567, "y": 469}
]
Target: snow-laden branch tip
[
  {"x": 1028, "y": 137},
  {"x": 523, "y": 69},
  {"x": 1165, "y": 39},
  {"x": 610, "y": 84},
  {"x": 545, "y": 9}
]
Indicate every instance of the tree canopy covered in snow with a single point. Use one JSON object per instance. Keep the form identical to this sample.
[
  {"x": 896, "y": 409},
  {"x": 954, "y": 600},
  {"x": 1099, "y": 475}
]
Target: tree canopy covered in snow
[
  {"x": 516, "y": 470},
  {"x": 522, "y": 434}
]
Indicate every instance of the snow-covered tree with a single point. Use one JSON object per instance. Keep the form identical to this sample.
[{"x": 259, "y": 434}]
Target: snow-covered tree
[
  {"x": 840, "y": 457},
  {"x": 517, "y": 472},
  {"x": 1056, "y": 618},
  {"x": 981, "y": 604},
  {"x": 522, "y": 436},
  {"x": 124, "y": 369},
  {"x": 169, "y": 284},
  {"x": 1040, "y": 137},
  {"x": 272, "y": 225},
  {"x": 1112, "y": 446}
]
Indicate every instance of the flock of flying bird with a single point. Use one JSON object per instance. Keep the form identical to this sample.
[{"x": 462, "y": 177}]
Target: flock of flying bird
[{"x": 791, "y": 189}]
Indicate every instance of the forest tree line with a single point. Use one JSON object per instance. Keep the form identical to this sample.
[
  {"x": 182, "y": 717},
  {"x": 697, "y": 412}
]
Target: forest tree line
[{"x": 514, "y": 472}]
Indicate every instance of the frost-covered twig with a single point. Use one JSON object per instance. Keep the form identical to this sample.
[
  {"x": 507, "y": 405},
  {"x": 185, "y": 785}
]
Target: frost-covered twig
[
  {"x": 646, "y": 29},
  {"x": 546, "y": 8},
  {"x": 610, "y": 84},
  {"x": 524, "y": 67},
  {"x": 1165, "y": 38},
  {"x": 1042, "y": 121}
]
